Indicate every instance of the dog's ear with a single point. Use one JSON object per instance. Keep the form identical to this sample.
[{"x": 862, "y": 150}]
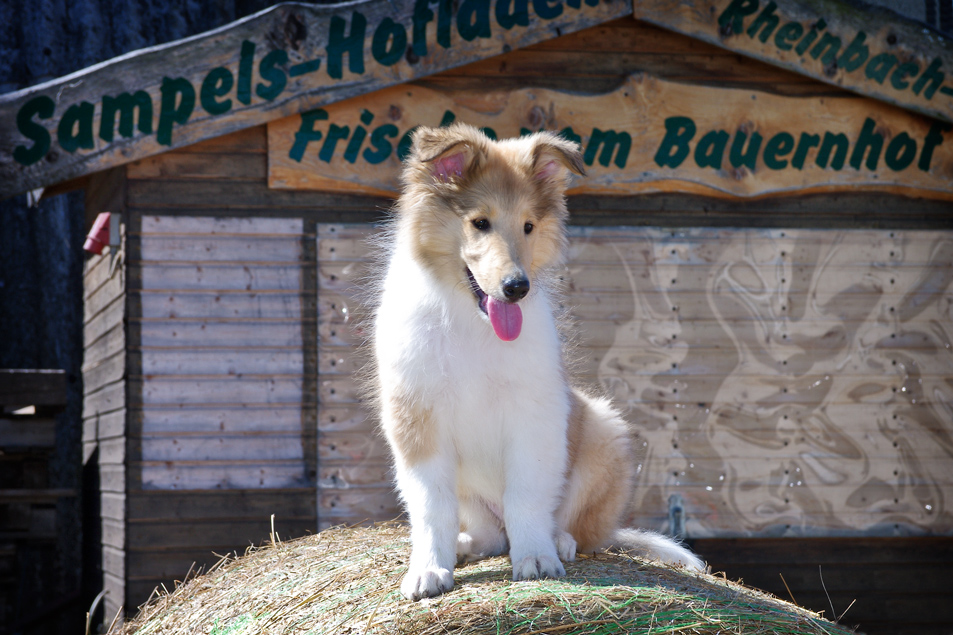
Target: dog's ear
[
  {"x": 448, "y": 154},
  {"x": 554, "y": 157}
]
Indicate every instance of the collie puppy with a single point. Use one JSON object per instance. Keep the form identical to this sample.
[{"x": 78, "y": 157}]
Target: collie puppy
[{"x": 494, "y": 450}]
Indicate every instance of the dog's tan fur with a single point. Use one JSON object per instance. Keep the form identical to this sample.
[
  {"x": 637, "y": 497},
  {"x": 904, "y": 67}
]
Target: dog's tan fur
[
  {"x": 496, "y": 182},
  {"x": 413, "y": 434},
  {"x": 551, "y": 467},
  {"x": 601, "y": 474}
]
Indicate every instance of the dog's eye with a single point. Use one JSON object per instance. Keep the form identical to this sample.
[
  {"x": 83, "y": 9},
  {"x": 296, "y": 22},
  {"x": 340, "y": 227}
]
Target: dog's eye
[
  {"x": 527, "y": 228},
  {"x": 482, "y": 224}
]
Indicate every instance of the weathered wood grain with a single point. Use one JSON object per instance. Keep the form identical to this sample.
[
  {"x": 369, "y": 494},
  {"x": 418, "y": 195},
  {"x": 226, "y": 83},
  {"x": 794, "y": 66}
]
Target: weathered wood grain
[
  {"x": 218, "y": 248},
  {"x": 101, "y": 374},
  {"x": 198, "y": 227},
  {"x": 252, "y": 140},
  {"x": 265, "y": 444},
  {"x": 286, "y": 59},
  {"x": 106, "y": 399},
  {"x": 217, "y": 276},
  {"x": 649, "y": 135},
  {"x": 216, "y": 389},
  {"x": 219, "y": 393},
  {"x": 205, "y": 360},
  {"x": 225, "y": 419},
  {"x": 238, "y": 166},
  {"x": 232, "y": 474},
  {"x": 862, "y": 35},
  {"x": 798, "y": 396},
  {"x": 207, "y": 333}
]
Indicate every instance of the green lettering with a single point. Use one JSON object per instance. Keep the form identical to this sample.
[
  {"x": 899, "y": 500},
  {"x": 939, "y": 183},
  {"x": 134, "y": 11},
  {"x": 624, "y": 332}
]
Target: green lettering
[
  {"x": 837, "y": 143},
  {"x": 878, "y": 67},
  {"x": 547, "y": 12},
  {"x": 217, "y": 83},
  {"x": 829, "y": 46},
  {"x": 805, "y": 44},
  {"x": 855, "y": 54},
  {"x": 901, "y": 152},
  {"x": 518, "y": 16},
  {"x": 750, "y": 157},
  {"x": 731, "y": 20},
  {"x": 678, "y": 132},
  {"x": 339, "y": 44},
  {"x": 389, "y": 42},
  {"x": 473, "y": 19},
  {"x": 357, "y": 139},
  {"x": 75, "y": 130},
  {"x": 711, "y": 149},
  {"x": 178, "y": 101},
  {"x": 335, "y": 133},
  {"x": 127, "y": 106},
  {"x": 868, "y": 139},
  {"x": 778, "y": 146},
  {"x": 382, "y": 147},
  {"x": 787, "y": 35},
  {"x": 933, "y": 75},
  {"x": 444, "y": 20},
  {"x": 405, "y": 143},
  {"x": 42, "y": 107},
  {"x": 447, "y": 119},
  {"x": 898, "y": 79},
  {"x": 269, "y": 71},
  {"x": 806, "y": 142},
  {"x": 766, "y": 19},
  {"x": 422, "y": 15},
  {"x": 306, "y": 133},
  {"x": 611, "y": 141},
  {"x": 934, "y": 138},
  {"x": 246, "y": 59}
]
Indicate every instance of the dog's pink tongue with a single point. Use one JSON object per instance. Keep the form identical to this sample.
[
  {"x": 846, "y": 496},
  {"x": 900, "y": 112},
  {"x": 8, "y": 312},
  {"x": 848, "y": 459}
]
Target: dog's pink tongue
[{"x": 506, "y": 318}]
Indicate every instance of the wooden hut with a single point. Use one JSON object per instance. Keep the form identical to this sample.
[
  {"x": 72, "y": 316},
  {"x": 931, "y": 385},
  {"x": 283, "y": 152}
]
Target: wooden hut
[{"x": 761, "y": 258}]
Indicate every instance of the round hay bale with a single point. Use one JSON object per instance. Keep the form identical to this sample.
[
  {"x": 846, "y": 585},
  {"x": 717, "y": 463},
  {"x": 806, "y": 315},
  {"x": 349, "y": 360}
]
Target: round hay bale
[{"x": 345, "y": 580}]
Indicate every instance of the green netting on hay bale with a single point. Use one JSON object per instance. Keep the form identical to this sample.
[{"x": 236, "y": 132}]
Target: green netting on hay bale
[{"x": 345, "y": 580}]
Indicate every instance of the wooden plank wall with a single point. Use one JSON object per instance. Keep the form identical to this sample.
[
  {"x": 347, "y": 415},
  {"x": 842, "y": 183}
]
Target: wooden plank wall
[
  {"x": 221, "y": 352},
  {"x": 168, "y": 529},
  {"x": 783, "y": 382},
  {"x": 221, "y": 398},
  {"x": 104, "y": 390}
]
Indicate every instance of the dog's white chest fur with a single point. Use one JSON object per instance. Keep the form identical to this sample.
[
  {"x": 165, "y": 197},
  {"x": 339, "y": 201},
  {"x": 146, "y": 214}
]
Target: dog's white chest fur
[
  {"x": 484, "y": 394},
  {"x": 472, "y": 390}
]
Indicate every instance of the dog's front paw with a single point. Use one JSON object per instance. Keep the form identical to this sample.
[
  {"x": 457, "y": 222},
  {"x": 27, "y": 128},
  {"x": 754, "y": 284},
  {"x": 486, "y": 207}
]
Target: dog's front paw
[
  {"x": 465, "y": 551},
  {"x": 565, "y": 546},
  {"x": 426, "y": 583},
  {"x": 538, "y": 566}
]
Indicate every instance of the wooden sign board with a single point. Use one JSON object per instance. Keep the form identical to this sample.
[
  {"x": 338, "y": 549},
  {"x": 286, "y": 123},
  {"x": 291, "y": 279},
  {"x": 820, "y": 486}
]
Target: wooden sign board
[
  {"x": 868, "y": 50},
  {"x": 286, "y": 59},
  {"x": 648, "y": 136}
]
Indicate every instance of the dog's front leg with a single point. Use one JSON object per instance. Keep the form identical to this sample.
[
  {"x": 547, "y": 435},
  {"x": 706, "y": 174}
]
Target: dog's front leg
[
  {"x": 428, "y": 489},
  {"x": 534, "y": 479}
]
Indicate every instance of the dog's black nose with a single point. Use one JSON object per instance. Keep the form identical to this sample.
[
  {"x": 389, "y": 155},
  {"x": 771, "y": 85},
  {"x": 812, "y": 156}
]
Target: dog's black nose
[{"x": 515, "y": 288}]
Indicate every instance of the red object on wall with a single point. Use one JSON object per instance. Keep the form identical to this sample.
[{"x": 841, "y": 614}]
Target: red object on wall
[{"x": 99, "y": 235}]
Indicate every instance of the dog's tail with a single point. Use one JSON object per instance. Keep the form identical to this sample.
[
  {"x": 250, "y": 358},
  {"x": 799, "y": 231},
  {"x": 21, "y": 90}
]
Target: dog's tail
[{"x": 654, "y": 546}]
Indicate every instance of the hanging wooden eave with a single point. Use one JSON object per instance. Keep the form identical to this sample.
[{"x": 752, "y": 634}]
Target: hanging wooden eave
[
  {"x": 848, "y": 43},
  {"x": 284, "y": 60},
  {"x": 293, "y": 58}
]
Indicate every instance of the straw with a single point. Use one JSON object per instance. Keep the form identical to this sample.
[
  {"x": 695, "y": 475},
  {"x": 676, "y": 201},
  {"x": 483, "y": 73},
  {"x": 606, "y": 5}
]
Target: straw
[{"x": 345, "y": 581}]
